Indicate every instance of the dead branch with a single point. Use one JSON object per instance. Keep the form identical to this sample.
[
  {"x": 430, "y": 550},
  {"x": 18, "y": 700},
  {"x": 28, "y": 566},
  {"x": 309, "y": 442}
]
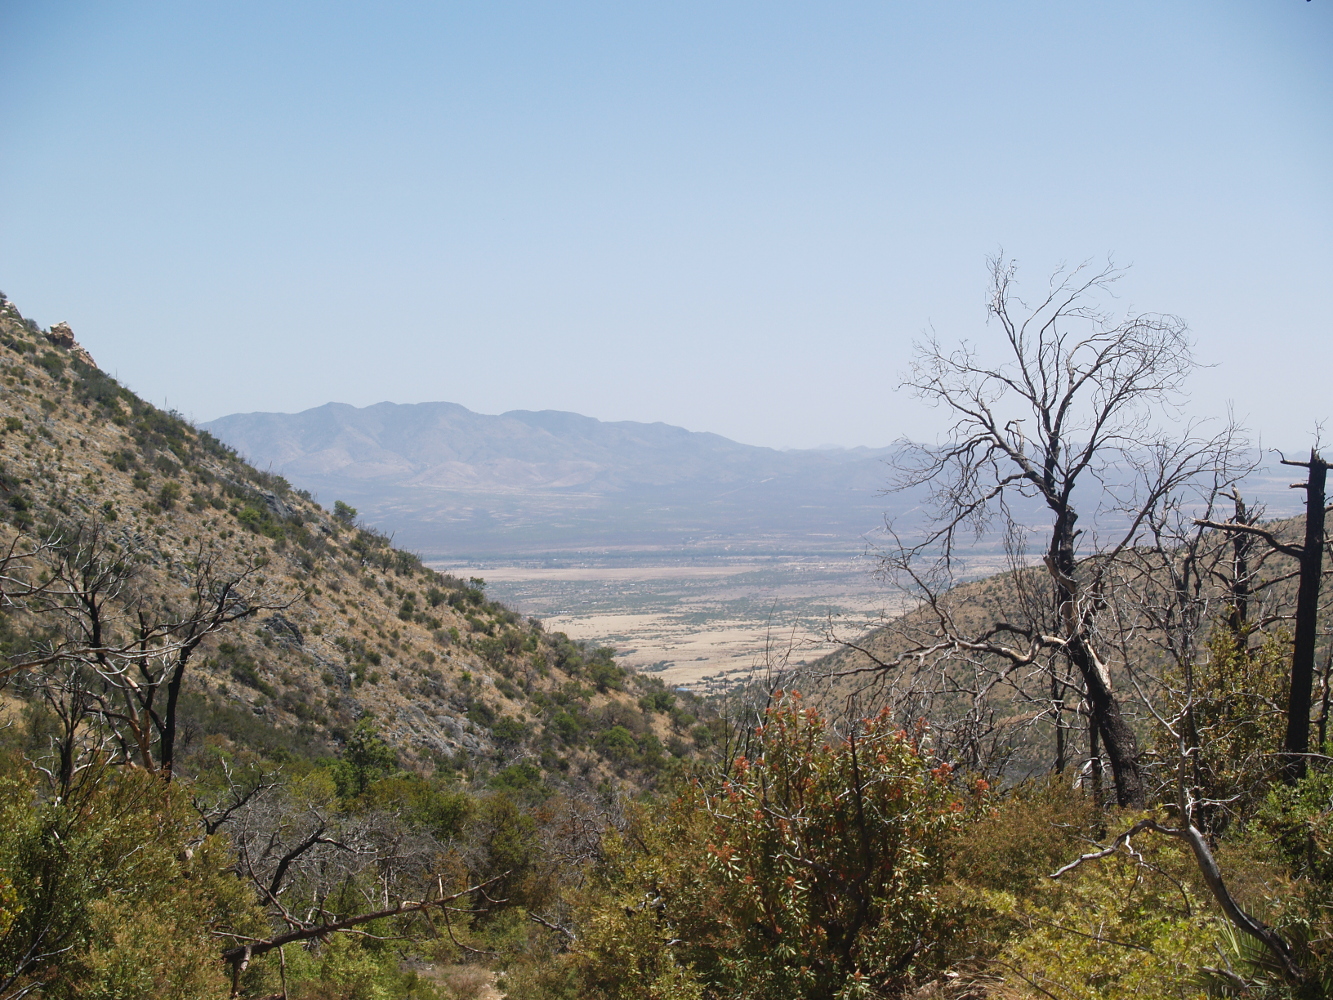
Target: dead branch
[{"x": 239, "y": 957}]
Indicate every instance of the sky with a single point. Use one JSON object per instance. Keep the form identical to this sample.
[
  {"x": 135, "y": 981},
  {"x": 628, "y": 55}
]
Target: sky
[{"x": 733, "y": 217}]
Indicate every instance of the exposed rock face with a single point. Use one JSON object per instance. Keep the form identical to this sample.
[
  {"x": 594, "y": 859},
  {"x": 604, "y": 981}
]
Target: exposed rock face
[
  {"x": 62, "y": 336},
  {"x": 284, "y": 629},
  {"x": 274, "y": 503}
]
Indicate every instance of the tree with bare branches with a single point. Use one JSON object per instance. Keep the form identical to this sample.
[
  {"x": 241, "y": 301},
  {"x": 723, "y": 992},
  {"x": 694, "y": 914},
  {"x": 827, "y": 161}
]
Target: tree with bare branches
[
  {"x": 1310, "y": 559},
  {"x": 111, "y": 653},
  {"x": 1066, "y": 420}
]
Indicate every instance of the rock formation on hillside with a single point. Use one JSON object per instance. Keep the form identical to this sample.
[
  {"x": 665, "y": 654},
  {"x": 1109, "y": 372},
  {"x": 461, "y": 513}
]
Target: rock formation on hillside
[{"x": 62, "y": 336}]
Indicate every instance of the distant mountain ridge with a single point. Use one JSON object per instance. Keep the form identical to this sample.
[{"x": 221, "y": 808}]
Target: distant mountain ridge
[
  {"x": 454, "y": 484},
  {"x": 448, "y": 446},
  {"x": 450, "y": 481}
]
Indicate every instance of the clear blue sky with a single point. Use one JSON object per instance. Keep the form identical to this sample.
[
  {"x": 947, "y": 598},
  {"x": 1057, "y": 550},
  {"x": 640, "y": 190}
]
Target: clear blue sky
[{"x": 733, "y": 217}]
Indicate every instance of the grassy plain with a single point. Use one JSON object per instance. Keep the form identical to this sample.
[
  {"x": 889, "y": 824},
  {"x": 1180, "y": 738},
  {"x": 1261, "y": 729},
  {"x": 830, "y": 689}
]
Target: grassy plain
[{"x": 696, "y": 622}]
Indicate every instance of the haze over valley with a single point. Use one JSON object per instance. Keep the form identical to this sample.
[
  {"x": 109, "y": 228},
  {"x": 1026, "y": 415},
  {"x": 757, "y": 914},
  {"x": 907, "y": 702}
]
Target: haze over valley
[
  {"x": 691, "y": 554},
  {"x": 685, "y": 550}
]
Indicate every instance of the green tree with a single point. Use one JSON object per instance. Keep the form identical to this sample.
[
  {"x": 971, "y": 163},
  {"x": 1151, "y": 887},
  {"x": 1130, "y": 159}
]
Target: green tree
[
  {"x": 168, "y": 495},
  {"x": 365, "y": 758},
  {"x": 343, "y": 512},
  {"x": 106, "y": 891}
]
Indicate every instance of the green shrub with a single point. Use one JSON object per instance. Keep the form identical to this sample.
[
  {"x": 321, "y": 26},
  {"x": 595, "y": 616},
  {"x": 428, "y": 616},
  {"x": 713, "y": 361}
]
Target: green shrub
[
  {"x": 508, "y": 730},
  {"x": 1027, "y": 833},
  {"x": 1121, "y": 927},
  {"x": 617, "y": 743},
  {"x": 242, "y": 668},
  {"x": 481, "y": 714},
  {"x": 251, "y": 518},
  {"x": 606, "y": 676},
  {"x": 566, "y": 727},
  {"x": 52, "y": 362},
  {"x": 1292, "y": 837},
  {"x": 517, "y": 777},
  {"x": 507, "y": 845},
  {"x": 658, "y": 701},
  {"x": 99, "y": 898},
  {"x": 365, "y": 758},
  {"x": 492, "y": 650},
  {"x": 813, "y": 869},
  {"x": 424, "y": 804},
  {"x": 168, "y": 495}
]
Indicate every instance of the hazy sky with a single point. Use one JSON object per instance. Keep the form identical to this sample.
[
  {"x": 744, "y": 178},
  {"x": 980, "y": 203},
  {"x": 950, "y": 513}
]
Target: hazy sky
[{"x": 732, "y": 217}]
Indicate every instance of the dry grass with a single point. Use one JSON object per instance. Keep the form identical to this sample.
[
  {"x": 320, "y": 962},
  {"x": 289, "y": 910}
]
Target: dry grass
[
  {"x": 78, "y": 461},
  {"x": 468, "y": 982},
  {"x": 693, "y": 624}
]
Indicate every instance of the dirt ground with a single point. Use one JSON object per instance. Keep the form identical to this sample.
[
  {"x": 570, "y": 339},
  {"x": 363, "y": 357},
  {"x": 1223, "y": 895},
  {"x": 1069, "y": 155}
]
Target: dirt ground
[{"x": 695, "y": 624}]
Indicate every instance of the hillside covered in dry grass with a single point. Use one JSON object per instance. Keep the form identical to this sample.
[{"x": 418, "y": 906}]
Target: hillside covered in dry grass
[
  {"x": 981, "y": 706},
  {"x": 357, "y": 628}
]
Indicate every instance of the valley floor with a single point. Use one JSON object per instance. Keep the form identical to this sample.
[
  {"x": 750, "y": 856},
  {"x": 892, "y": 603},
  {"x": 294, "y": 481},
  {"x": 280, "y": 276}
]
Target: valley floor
[{"x": 696, "y": 623}]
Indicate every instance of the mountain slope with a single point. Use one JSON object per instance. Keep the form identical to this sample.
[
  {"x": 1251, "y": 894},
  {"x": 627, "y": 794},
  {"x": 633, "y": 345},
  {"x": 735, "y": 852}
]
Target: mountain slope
[{"x": 351, "y": 627}]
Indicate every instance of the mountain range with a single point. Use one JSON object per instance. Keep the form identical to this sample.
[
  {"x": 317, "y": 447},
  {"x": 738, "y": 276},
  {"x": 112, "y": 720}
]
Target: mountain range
[{"x": 453, "y": 483}]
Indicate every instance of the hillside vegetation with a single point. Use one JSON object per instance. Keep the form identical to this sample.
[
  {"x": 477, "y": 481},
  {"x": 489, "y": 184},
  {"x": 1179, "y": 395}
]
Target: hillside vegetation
[
  {"x": 1017, "y": 739},
  {"x": 251, "y": 749},
  {"x": 354, "y": 628},
  {"x": 339, "y": 659}
]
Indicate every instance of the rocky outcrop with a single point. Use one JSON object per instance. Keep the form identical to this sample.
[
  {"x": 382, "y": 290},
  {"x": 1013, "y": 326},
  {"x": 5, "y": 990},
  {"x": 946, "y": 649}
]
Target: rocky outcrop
[
  {"x": 276, "y": 506},
  {"x": 62, "y": 336}
]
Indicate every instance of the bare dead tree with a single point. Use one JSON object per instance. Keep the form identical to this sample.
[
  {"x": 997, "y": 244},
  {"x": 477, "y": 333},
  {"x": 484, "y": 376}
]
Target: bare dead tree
[
  {"x": 18, "y": 582},
  {"x": 1184, "y": 585},
  {"x": 240, "y": 956},
  {"x": 1184, "y": 647},
  {"x": 1073, "y": 399},
  {"x": 1310, "y": 559},
  {"x": 242, "y": 786},
  {"x": 984, "y": 693},
  {"x": 319, "y": 873},
  {"x": 131, "y": 651},
  {"x": 1176, "y": 713}
]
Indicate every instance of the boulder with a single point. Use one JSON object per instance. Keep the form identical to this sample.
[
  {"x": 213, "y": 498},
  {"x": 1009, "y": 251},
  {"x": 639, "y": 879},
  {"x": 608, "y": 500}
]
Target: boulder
[
  {"x": 275, "y": 505},
  {"x": 63, "y": 336}
]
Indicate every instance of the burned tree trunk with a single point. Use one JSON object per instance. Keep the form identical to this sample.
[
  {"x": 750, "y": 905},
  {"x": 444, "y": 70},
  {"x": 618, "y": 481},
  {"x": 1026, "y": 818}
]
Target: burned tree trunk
[
  {"x": 1297, "y": 742},
  {"x": 1064, "y": 401},
  {"x": 1310, "y": 559}
]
